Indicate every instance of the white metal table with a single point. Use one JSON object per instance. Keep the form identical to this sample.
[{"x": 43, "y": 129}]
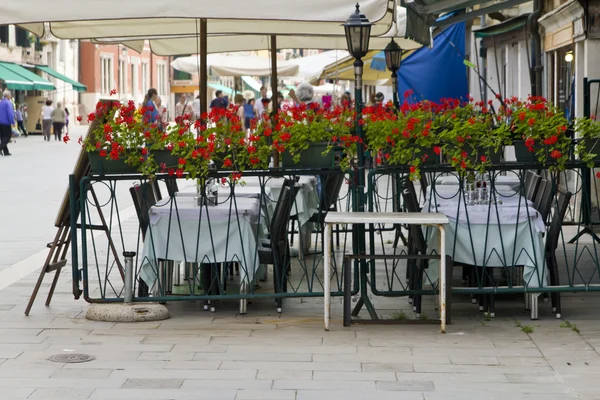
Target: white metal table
[{"x": 431, "y": 219}]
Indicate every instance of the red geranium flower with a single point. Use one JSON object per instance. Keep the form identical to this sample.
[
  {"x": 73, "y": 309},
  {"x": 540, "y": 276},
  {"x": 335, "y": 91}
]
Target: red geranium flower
[
  {"x": 555, "y": 154},
  {"x": 102, "y": 153},
  {"x": 437, "y": 150}
]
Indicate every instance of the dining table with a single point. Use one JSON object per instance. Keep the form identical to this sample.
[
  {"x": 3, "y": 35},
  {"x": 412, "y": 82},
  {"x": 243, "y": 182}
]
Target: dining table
[
  {"x": 181, "y": 230},
  {"x": 504, "y": 231}
]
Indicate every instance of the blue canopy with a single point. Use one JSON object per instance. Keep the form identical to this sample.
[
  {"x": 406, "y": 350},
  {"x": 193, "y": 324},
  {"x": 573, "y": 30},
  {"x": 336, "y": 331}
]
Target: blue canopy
[{"x": 434, "y": 73}]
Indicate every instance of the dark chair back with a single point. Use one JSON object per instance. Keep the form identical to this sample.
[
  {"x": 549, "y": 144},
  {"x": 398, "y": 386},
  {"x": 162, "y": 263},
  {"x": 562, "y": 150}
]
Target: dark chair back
[
  {"x": 415, "y": 230},
  {"x": 281, "y": 218},
  {"x": 156, "y": 188},
  {"x": 532, "y": 181},
  {"x": 412, "y": 192},
  {"x": 294, "y": 187},
  {"x": 143, "y": 199},
  {"x": 172, "y": 187},
  {"x": 543, "y": 201},
  {"x": 562, "y": 204},
  {"x": 540, "y": 193},
  {"x": 332, "y": 186}
]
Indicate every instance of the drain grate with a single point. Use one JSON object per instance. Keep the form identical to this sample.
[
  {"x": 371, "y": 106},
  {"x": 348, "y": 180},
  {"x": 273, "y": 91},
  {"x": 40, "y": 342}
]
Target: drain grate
[{"x": 71, "y": 358}]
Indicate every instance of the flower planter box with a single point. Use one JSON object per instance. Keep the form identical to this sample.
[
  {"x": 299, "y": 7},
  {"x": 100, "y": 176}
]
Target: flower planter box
[
  {"x": 523, "y": 154},
  {"x": 591, "y": 146},
  {"x": 165, "y": 156},
  {"x": 310, "y": 158},
  {"x": 102, "y": 166}
]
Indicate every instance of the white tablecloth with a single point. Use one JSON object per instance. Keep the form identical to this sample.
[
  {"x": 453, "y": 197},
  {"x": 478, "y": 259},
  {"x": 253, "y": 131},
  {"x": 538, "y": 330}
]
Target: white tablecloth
[
  {"x": 511, "y": 180},
  {"x": 181, "y": 231},
  {"x": 496, "y": 236}
]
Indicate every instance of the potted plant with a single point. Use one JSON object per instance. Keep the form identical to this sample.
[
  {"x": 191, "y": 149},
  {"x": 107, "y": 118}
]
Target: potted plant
[
  {"x": 304, "y": 134},
  {"x": 541, "y": 128},
  {"x": 588, "y": 145},
  {"x": 121, "y": 140}
]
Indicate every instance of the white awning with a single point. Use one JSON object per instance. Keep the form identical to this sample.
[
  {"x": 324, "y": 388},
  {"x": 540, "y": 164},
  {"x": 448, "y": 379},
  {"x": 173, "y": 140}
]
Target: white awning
[
  {"x": 87, "y": 19},
  {"x": 173, "y": 45},
  {"x": 233, "y": 65}
]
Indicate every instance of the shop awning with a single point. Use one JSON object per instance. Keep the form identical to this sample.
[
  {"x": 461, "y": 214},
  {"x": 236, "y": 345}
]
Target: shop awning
[
  {"x": 510, "y": 25},
  {"x": 218, "y": 86},
  {"x": 76, "y": 85},
  {"x": 36, "y": 81},
  {"x": 14, "y": 81}
]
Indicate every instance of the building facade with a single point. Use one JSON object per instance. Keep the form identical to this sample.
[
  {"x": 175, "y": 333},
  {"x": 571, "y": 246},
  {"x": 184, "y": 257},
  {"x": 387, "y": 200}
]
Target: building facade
[
  {"x": 107, "y": 67},
  {"x": 24, "y": 51}
]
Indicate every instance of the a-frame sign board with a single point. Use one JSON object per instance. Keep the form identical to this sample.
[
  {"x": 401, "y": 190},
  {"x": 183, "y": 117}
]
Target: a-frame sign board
[{"x": 59, "y": 247}]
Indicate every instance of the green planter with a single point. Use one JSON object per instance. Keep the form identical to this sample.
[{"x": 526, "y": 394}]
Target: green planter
[
  {"x": 523, "y": 154},
  {"x": 591, "y": 146},
  {"x": 165, "y": 156},
  {"x": 310, "y": 158},
  {"x": 102, "y": 166}
]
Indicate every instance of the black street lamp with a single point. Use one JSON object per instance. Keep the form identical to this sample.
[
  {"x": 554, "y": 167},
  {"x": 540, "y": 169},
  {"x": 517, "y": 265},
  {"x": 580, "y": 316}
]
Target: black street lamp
[
  {"x": 358, "y": 32},
  {"x": 393, "y": 58}
]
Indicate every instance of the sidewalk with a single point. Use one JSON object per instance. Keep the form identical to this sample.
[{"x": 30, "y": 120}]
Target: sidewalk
[{"x": 199, "y": 355}]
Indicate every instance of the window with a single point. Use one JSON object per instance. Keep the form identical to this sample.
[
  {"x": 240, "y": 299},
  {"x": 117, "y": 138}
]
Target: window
[
  {"x": 161, "y": 72},
  {"x": 122, "y": 76},
  {"x": 145, "y": 80},
  {"x": 134, "y": 79},
  {"x": 106, "y": 74}
]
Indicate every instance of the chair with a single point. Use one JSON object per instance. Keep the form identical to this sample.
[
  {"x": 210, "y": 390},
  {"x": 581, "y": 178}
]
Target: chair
[
  {"x": 532, "y": 182},
  {"x": 156, "y": 189},
  {"x": 143, "y": 199},
  {"x": 329, "y": 196},
  {"x": 417, "y": 245},
  {"x": 552, "y": 239},
  {"x": 277, "y": 252},
  {"x": 543, "y": 199}
]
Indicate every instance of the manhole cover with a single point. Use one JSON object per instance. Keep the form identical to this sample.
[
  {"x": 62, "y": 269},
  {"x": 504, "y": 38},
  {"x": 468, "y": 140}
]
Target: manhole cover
[{"x": 71, "y": 358}]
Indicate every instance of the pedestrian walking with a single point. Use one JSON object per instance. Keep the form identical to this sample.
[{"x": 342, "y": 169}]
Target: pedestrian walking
[
  {"x": 46, "y": 116},
  {"x": 219, "y": 101},
  {"x": 58, "y": 121},
  {"x": 7, "y": 119},
  {"x": 164, "y": 116},
  {"x": 184, "y": 107},
  {"x": 20, "y": 120},
  {"x": 249, "y": 114},
  {"x": 196, "y": 107},
  {"x": 67, "y": 121}
]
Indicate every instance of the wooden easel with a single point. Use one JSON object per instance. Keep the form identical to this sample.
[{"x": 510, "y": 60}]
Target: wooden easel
[{"x": 59, "y": 247}]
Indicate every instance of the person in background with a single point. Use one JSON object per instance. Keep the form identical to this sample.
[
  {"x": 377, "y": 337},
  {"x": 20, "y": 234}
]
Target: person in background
[
  {"x": 345, "y": 100},
  {"x": 47, "y": 119},
  {"x": 7, "y": 118},
  {"x": 239, "y": 103},
  {"x": 58, "y": 120},
  {"x": 248, "y": 114},
  {"x": 19, "y": 118},
  {"x": 184, "y": 107},
  {"x": 260, "y": 105},
  {"x": 196, "y": 107},
  {"x": 151, "y": 114},
  {"x": 162, "y": 111},
  {"x": 378, "y": 99},
  {"x": 66, "y": 121},
  {"x": 219, "y": 101}
]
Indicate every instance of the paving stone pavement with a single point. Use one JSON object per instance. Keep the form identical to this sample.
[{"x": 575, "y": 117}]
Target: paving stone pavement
[{"x": 198, "y": 355}]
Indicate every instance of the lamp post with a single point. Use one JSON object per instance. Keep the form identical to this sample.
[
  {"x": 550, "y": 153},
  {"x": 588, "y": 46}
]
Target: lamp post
[
  {"x": 393, "y": 58},
  {"x": 358, "y": 31}
]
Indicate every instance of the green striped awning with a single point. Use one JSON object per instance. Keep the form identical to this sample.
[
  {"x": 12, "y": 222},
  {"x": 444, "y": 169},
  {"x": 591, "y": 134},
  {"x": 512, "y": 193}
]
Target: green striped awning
[
  {"x": 35, "y": 80},
  {"x": 76, "y": 85},
  {"x": 218, "y": 86},
  {"x": 510, "y": 25},
  {"x": 14, "y": 81}
]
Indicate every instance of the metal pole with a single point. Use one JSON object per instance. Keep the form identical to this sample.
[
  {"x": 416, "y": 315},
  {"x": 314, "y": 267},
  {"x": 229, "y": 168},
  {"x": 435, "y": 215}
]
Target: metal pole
[
  {"x": 360, "y": 187},
  {"x": 203, "y": 68},
  {"x": 395, "y": 89},
  {"x": 128, "y": 295},
  {"x": 274, "y": 96}
]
